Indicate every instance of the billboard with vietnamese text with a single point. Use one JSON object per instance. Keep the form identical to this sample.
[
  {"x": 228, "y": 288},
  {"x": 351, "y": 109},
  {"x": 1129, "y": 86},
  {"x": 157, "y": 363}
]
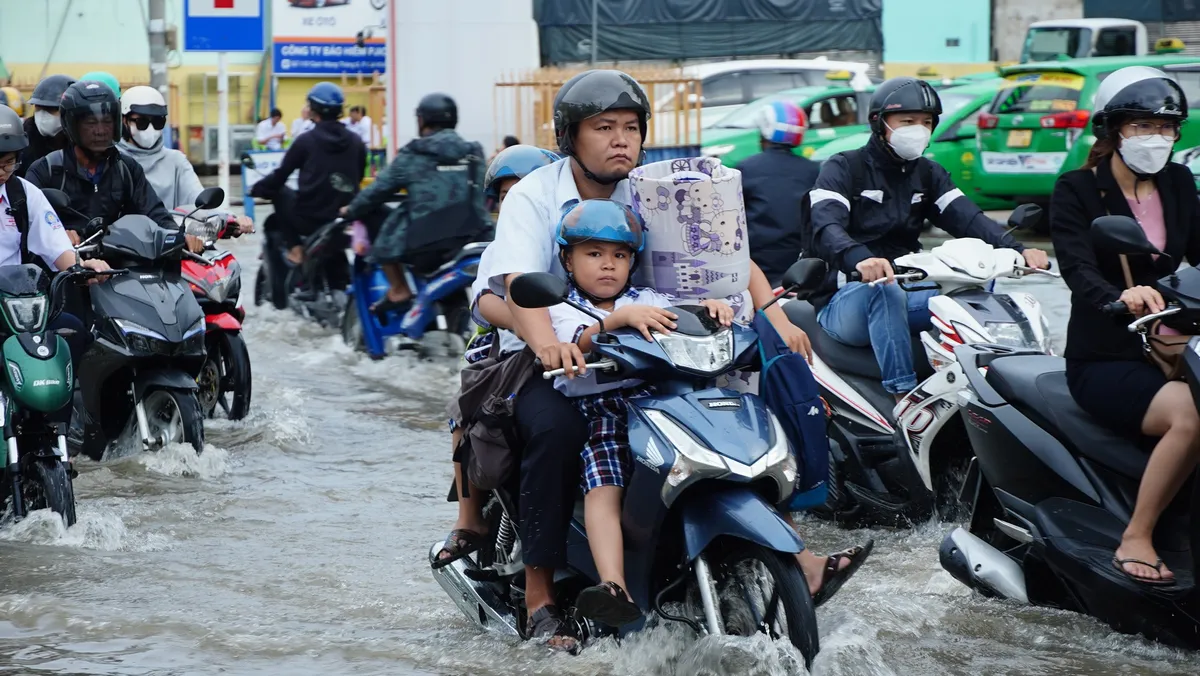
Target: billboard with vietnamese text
[{"x": 318, "y": 37}]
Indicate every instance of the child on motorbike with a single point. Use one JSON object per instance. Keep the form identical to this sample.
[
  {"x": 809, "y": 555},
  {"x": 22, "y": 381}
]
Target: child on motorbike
[{"x": 600, "y": 241}]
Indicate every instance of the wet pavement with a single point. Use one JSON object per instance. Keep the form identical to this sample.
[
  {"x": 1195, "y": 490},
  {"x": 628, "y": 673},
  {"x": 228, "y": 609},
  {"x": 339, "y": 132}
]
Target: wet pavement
[{"x": 297, "y": 543}]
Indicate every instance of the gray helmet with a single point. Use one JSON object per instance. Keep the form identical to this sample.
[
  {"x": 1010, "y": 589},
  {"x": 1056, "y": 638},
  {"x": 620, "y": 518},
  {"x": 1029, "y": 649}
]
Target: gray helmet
[
  {"x": 48, "y": 93},
  {"x": 12, "y": 133}
]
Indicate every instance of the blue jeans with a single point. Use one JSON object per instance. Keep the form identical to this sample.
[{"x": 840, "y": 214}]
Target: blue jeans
[{"x": 884, "y": 317}]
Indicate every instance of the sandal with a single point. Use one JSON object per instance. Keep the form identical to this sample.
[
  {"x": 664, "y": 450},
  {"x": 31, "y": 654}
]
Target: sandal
[
  {"x": 548, "y": 623},
  {"x": 835, "y": 577},
  {"x": 387, "y": 306},
  {"x": 607, "y": 603},
  {"x": 1119, "y": 564},
  {"x": 459, "y": 543}
]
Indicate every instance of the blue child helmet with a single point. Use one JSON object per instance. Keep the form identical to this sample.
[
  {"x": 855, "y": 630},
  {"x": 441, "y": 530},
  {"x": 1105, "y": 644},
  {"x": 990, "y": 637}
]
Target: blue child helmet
[
  {"x": 602, "y": 221},
  {"x": 326, "y": 99},
  {"x": 515, "y": 162}
]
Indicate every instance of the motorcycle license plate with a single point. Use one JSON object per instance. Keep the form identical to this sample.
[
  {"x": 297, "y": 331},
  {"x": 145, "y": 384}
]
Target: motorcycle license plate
[{"x": 1020, "y": 138}]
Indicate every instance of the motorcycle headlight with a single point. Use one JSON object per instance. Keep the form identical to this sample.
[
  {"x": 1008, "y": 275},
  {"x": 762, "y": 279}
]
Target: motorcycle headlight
[
  {"x": 219, "y": 290},
  {"x": 194, "y": 329},
  {"x": 130, "y": 328},
  {"x": 1047, "y": 341},
  {"x": 1010, "y": 334},
  {"x": 700, "y": 354},
  {"x": 26, "y": 314}
]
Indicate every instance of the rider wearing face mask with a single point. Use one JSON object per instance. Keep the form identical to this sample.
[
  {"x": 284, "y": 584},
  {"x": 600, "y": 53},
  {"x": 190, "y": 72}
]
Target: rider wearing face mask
[
  {"x": 44, "y": 128},
  {"x": 867, "y": 209}
]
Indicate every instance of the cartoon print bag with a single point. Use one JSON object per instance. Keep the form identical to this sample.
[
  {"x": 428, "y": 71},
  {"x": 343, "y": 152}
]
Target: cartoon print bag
[{"x": 696, "y": 243}]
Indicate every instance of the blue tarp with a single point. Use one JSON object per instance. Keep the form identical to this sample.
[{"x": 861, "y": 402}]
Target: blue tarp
[{"x": 1143, "y": 10}]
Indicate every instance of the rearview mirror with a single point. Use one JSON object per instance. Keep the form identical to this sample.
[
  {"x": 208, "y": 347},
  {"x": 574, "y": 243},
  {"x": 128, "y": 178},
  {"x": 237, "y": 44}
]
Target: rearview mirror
[
  {"x": 537, "y": 289},
  {"x": 805, "y": 274},
  {"x": 340, "y": 183},
  {"x": 57, "y": 198},
  {"x": 210, "y": 198},
  {"x": 1025, "y": 216},
  {"x": 247, "y": 161},
  {"x": 1122, "y": 235}
]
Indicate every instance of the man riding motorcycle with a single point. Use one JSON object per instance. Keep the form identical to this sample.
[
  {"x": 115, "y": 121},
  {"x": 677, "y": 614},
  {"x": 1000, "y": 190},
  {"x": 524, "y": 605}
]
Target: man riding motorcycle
[
  {"x": 100, "y": 181},
  {"x": 144, "y": 114},
  {"x": 328, "y": 149},
  {"x": 868, "y": 206},
  {"x": 444, "y": 210},
  {"x": 44, "y": 128}
]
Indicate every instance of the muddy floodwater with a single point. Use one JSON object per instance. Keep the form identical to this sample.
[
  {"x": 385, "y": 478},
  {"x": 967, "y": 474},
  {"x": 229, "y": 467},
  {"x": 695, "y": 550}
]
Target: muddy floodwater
[{"x": 297, "y": 542}]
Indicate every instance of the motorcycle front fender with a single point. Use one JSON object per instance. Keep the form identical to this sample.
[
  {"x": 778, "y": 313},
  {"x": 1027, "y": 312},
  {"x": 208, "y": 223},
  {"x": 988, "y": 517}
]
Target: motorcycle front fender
[
  {"x": 171, "y": 379},
  {"x": 737, "y": 512}
]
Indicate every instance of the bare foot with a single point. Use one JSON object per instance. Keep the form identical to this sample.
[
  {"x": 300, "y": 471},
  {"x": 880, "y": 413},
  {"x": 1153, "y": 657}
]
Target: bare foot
[
  {"x": 814, "y": 568},
  {"x": 1143, "y": 550}
]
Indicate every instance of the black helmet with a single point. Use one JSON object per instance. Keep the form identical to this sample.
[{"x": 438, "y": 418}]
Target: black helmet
[
  {"x": 903, "y": 95},
  {"x": 1136, "y": 91},
  {"x": 591, "y": 93},
  {"x": 326, "y": 100},
  {"x": 48, "y": 93},
  {"x": 89, "y": 97},
  {"x": 12, "y": 133},
  {"x": 438, "y": 110}
]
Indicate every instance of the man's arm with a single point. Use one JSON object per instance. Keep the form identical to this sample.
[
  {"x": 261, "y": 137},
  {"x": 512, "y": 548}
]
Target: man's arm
[
  {"x": 141, "y": 198},
  {"x": 830, "y": 205},
  {"x": 953, "y": 212},
  {"x": 295, "y": 157},
  {"x": 187, "y": 183},
  {"x": 397, "y": 175}
]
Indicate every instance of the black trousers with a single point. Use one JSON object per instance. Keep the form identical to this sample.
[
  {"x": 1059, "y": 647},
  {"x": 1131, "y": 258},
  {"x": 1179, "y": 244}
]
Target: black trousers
[
  {"x": 77, "y": 343},
  {"x": 554, "y": 432}
]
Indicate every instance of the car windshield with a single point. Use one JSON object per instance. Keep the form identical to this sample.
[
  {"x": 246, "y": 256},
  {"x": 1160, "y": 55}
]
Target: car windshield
[
  {"x": 746, "y": 117},
  {"x": 1046, "y": 44},
  {"x": 952, "y": 103},
  {"x": 1053, "y": 92}
]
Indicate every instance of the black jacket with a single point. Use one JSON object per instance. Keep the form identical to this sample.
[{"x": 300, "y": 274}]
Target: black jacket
[
  {"x": 1095, "y": 277},
  {"x": 119, "y": 192},
  {"x": 774, "y": 183},
  {"x": 883, "y": 217},
  {"x": 39, "y": 146},
  {"x": 326, "y": 149}
]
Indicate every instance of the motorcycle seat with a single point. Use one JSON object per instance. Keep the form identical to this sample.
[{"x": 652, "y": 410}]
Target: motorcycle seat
[
  {"x": 1037, "y": 386},
  {"x": 843, "y": 358},
  {"x": 472, "y": 249}
]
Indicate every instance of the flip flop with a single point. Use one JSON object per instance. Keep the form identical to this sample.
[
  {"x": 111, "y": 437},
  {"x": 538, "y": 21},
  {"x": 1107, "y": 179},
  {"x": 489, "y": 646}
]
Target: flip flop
[
  {"x": 1119, "y": 564},
  {"x": 607, "y": 603},
  {"x": 834, "y": 577},
  {"x": 548, "y": 623},
  {"x": 459, "y": 543},
  {"x": 387, "y": 306}
]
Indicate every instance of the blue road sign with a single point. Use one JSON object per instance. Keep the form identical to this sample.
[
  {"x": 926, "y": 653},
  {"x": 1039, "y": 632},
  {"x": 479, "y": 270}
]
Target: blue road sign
[{"x": 223, "y": 26}]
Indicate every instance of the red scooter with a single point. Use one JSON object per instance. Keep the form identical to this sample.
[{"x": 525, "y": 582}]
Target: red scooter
[{"x": 216, "y": 279}]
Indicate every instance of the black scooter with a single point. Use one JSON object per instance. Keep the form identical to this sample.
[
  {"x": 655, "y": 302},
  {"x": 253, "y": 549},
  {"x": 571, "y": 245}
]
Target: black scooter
[
  {"x": 138, "y": 379},
  {"x": 1053, "y": 490}
]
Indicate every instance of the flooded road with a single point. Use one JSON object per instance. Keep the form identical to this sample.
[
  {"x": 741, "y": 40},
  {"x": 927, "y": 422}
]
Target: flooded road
[{"x": 297, "y": 544}]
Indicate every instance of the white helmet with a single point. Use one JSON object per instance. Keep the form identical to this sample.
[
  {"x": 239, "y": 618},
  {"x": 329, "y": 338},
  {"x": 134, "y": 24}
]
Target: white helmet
[{"x": 143, "y": 101}]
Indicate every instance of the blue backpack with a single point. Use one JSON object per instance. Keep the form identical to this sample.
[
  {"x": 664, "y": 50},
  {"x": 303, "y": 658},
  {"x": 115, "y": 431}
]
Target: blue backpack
[{"x": 788, "y": 388}]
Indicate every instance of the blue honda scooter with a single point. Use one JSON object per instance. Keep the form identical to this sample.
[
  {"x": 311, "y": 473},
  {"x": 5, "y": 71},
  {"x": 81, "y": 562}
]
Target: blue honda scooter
[{"x": 699, "y": 523}]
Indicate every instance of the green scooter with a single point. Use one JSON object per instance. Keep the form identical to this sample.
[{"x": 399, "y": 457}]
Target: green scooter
[{"x": 38, "y": 381}]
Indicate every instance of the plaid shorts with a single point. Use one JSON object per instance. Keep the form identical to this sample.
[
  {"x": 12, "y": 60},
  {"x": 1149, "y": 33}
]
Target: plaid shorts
[{"x": 606, "y": 455}]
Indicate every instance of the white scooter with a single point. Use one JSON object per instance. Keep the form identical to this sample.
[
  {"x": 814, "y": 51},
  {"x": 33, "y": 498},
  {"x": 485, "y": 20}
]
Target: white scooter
[{"x": 891, "y": 461}]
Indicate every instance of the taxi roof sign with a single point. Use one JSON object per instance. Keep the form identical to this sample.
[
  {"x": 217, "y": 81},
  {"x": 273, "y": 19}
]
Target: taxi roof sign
[
  {"x": 1168, "y": 46},
  {"x": 838, "y": 75}
]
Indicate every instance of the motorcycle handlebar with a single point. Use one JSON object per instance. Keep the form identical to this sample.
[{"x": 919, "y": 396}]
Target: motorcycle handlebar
[
  {"x": 1114, "y": 308},
  {"x": 602, "y": 365}
]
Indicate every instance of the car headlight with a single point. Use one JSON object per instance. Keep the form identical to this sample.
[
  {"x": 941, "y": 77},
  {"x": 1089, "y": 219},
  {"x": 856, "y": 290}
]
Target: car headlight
[
  {"x": 700, "y": 354},
  {"x": 717, "y": 150},
  {"x": 26, "y": 314},
  {"x": 1010, "y": 334}
]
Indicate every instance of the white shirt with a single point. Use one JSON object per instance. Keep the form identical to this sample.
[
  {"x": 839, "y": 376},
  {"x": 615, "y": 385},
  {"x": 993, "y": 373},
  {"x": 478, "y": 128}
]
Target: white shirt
[
  {"x": 46, "y": 235},
  {"x": 267, "y": 129},
  {"x": 526, "y": 231},
  {"x": 362, "y": 128},
  {"x": 569, "y": 322},
  {"x": 301, "y": 125}
]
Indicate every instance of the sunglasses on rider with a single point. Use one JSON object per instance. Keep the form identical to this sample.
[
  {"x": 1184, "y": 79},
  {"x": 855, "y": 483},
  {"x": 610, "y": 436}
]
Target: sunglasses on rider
[{"x": 143, "y": 122}]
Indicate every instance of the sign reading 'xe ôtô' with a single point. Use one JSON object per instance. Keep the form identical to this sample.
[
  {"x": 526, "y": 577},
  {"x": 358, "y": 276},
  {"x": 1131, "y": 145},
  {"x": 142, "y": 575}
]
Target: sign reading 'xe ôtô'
[{"x": 317, "y": 37}]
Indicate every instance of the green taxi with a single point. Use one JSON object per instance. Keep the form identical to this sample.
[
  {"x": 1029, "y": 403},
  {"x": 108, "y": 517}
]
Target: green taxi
[
  {"x": 833, "y": 112},
  {"x": 953, "y": 144},
  {"x": 1039, "y": 123}
]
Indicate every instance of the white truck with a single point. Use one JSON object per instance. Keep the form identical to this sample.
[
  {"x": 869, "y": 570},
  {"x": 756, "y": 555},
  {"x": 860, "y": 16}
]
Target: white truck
[{"x": 1082, "y": 38}]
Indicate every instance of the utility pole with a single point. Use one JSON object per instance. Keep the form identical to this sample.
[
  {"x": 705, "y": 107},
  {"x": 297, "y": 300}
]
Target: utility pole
[
  {"x": 158, "y": 56},
  {"x": 595, "y": 24}
]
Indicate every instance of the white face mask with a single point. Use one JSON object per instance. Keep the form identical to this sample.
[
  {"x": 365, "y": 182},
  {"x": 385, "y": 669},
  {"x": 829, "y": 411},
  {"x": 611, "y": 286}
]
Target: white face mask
[
  {"x": 910, "y": 141},
  {"x": 1146, "y": 154},
  {"x": 48, "y": 124},
  {"x": 145, "y": 138}
]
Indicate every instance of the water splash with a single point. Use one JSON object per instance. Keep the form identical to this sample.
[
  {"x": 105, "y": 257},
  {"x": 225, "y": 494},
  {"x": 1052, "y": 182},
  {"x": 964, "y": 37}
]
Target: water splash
[
  {"x": 183, "y": 460},
  {"x": 99, "y": 531}
]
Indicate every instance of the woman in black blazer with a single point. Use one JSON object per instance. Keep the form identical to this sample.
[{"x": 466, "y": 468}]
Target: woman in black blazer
[{"x": 1138, "y": 115}]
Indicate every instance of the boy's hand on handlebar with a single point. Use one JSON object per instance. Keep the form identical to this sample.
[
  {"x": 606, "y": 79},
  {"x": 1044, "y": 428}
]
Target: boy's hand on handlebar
[
  {"x": 1142, "y": 301},
  {"x": 245, "y": 226},
  {"x": 562, "y": 355},
  {"x": 876, "y": 268},
  {"x": 719, "y": 310},
  {"x": 644, "y": 318},
  {"x": 96, "y": 265},
  {"x": 194, "y": 244},
  {"x": 1036, "y": 258},
  {"x": 74, "y": 237}
]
